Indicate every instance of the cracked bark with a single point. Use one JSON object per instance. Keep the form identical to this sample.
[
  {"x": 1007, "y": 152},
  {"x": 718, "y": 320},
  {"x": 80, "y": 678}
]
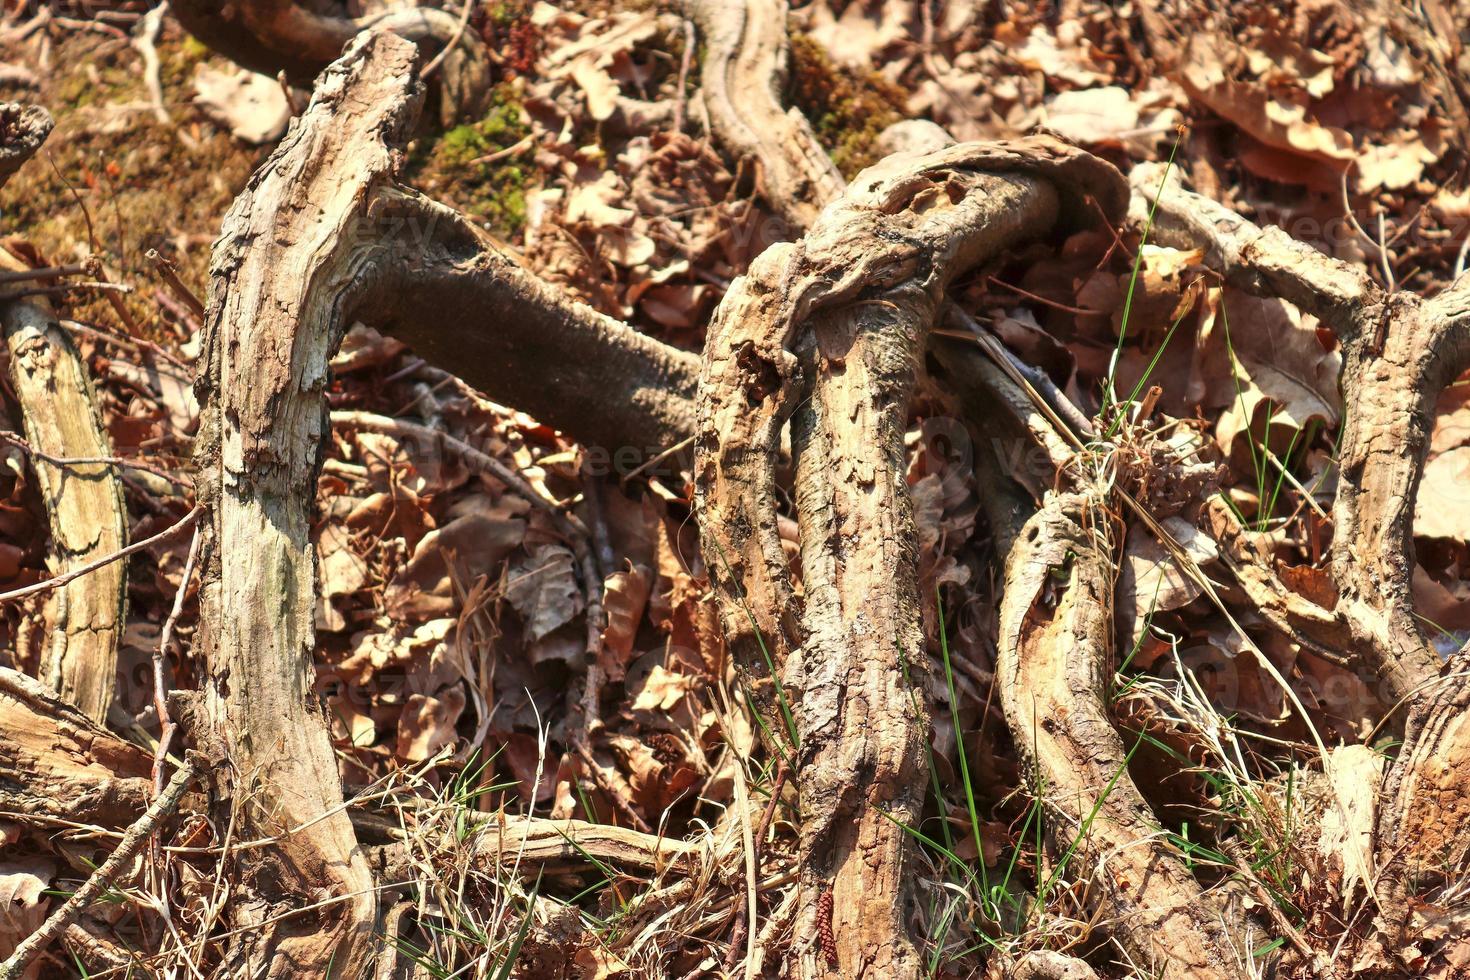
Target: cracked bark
[
  {"x": 1400, "y": 351},
  {"x": 826, "y": 333}
]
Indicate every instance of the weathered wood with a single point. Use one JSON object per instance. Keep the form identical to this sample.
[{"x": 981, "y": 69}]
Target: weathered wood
[
  {"x": 827, "y": 333},
  {"x": 744, "y": 71},
  {"x": 1399, "y": 353},
  {"x": 23, "y": 128},
  {"x": 276, "y": 282},
  {"x": 57, "y": 763},
  {"x": 534, "y": 846},
  {"x": 83, "y": 501},
  {"x": 1054, "y": 669}
]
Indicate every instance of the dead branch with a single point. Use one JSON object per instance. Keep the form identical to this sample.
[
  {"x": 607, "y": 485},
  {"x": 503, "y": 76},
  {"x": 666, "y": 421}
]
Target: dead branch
[
  {"x": 83, "y": 503},
  {"x": 826, "y": 333},
  {"x": 131, "y": 843},
  {"x": 23, "y": 128}
]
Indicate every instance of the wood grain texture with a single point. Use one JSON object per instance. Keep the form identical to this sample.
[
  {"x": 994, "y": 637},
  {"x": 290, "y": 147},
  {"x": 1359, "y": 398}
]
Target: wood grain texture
[{"x": 83, "y": 502}]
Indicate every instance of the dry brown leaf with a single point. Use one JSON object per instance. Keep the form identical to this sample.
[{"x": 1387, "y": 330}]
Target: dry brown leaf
[
  {"x": 542, "y": 587},
  {"x": 427, "y": 723},
  {"x": 22, "y": 902},
  {"x": 1152, "y": 580},
  {"x": 624, "y": 599},
  {"x": 662, "y": 689}
]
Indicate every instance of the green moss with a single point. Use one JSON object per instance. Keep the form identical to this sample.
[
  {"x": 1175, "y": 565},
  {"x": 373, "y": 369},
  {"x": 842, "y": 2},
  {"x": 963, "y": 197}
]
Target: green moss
[
  {"x": 451, "y": 166},
  {"x": 847, "y": 109},
  {"x": 507, "y": 12}
]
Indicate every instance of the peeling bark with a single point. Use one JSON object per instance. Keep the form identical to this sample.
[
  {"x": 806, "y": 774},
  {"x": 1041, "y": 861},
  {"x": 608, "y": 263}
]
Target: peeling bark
[
  {"x": 744, "y": 72},
  {"x": 826, "y": 333},
  {"x": 83, "y": 501},
  {"x": 55, "y": 762},
  {"x": 1054, "y": 670}
]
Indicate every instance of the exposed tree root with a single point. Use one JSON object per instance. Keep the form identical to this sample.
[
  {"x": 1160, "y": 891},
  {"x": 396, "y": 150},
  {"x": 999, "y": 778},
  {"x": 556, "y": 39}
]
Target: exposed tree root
[
  {"x": 83, "y": 501},
  {"x": 1055, "y": 673},
  {"x": 1400, "y": 351},
  {"x": 827, "y": 333},
  {"x": 276, "y": 282},
  {"x": 744, "y": 71}
]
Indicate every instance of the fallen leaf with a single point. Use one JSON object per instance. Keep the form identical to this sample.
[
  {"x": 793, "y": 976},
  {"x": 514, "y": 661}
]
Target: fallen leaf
[
  {"x": 543, "y": 588},
  {"x": 427, "y": 723},
  {"x": 22, "y": 900},
  {"x": 1152, "y": 580},
  {"x": 624, "y": 599},
  {"x": 252, "y": 107}
]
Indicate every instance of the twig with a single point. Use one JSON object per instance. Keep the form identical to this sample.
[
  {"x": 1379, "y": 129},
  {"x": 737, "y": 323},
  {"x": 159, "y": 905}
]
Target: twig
[
  {"x": 94, "y": 266},
  {"x": 519, "y": 146},
  {"x": 65, "y": 461},
  {"x": 170, "y": 276},
  {"x": 58, "y": 581},
  {"x": 464, "y": 19},
  {"x": 685, "y": 57},
  {"x": 101, "y": 879},
  {"x": 166, "y": 726},
  {"x": 146, "y": 44},
  {"x": 45, "y": 272}
]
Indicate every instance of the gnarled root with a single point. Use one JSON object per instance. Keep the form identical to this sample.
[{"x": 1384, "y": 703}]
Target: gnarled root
[
  {"x": 1400, "y": 351},
  {"x": 826, "y": 333},
  {"x": 1054, "y": 669}
]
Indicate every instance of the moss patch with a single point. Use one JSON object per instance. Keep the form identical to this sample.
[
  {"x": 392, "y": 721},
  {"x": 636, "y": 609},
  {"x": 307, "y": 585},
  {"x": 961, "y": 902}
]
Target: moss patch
[
  {"x": 453, "y": 167},
  {"x": 847, "y": 109}
]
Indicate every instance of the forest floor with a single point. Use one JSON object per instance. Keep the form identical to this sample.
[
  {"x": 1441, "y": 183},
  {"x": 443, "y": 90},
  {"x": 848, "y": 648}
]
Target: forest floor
[{"x": 451, "y": 629}]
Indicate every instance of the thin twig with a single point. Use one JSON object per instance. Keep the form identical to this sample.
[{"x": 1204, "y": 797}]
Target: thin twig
[
  {"x": 464, "y": 19},
  {"x": 166, "y": 726},
  {"x": 45, "y": 272},
  {"x": 101, "y": 879},
  {"x": 170, "y": 276},
  {"x": 69, "y": 461},
  {"x": 58, "y": 581}
]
